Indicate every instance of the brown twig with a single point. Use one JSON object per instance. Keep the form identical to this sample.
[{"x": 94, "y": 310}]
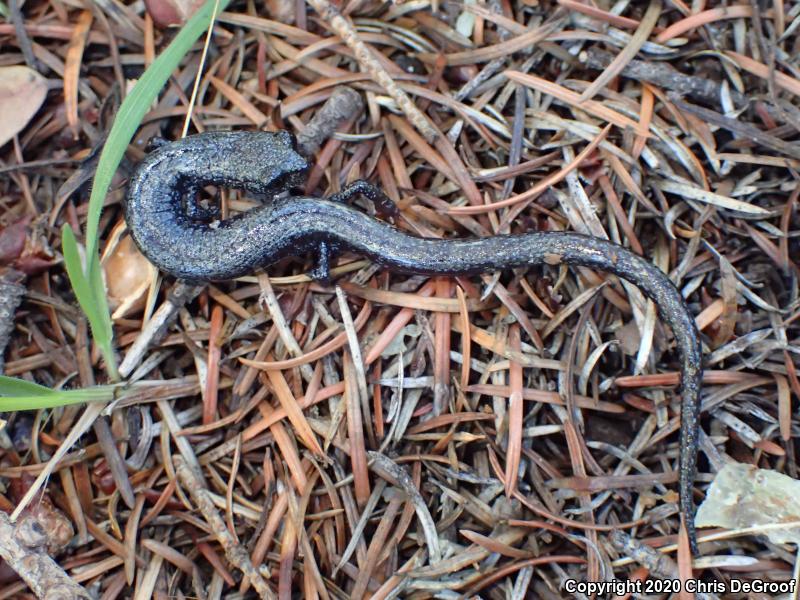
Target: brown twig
[
  {"x": 156, "y": 327},
  {"x": 663, "y": 75},
  {"x": 364, "y": 55},
  {"x": 11, "y": 293},
  {"x": 344, "y": 104},
  {"x": 22, "y": 547},
  {"x": 235, "y": 552}
]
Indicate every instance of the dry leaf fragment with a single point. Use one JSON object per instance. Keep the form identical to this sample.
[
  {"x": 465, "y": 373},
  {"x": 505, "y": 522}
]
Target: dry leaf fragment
[
  {"x": 12, "y": 239},
  {"x": 127, "y": 272},
  {"x": 171, "y": 12},
  {"x": 743, "y": 496},
  {"x": 22, "y": 92}
]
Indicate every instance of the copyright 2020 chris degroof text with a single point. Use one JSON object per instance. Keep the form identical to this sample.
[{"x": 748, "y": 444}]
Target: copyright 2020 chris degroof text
[{"x": 621, "y": 587}]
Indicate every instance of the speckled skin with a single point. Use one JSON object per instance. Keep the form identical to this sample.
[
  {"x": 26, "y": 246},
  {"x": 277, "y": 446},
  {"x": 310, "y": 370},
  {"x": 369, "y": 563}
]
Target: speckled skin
[{"x": 267, "y": 164}]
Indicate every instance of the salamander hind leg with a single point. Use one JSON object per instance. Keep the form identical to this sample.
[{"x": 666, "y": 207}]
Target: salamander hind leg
[
  {"x": 321, "y": 272},
  {"x": 361, "y": 187}
]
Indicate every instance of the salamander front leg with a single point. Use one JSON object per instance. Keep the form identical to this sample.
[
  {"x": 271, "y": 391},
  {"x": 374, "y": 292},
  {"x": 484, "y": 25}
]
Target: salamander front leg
[
  {"x": 383, "y": 204},
  {"x": 155, "y": 143},
  {"x": 190, "y": 190},
  {"x": 196, "y": 211}
]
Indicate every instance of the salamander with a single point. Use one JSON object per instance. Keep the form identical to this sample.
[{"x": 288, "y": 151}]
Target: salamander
[{"x": 175, "y": 234}]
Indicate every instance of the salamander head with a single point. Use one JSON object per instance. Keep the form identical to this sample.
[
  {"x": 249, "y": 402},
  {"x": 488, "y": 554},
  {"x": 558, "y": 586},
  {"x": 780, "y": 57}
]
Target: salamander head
[
  {"x": 291, "y": 165},
  {"x": 256, "y": 161},
  {"x": 264, "y": 162}
]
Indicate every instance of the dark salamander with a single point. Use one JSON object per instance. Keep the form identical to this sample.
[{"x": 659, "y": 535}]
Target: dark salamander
[{"x": 167, "y": 225}]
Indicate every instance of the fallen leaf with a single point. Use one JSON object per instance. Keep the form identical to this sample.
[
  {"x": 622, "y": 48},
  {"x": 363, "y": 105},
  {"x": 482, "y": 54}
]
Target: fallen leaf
[
  {"x": 22, "y": 92},
  {"x": 743, "y": 496},
  {"x": 128, "y": 273},
  {"x": 12, "y": 239},
  {"x": 629, "y": 338},
  {"x": 166, "y": 13}
]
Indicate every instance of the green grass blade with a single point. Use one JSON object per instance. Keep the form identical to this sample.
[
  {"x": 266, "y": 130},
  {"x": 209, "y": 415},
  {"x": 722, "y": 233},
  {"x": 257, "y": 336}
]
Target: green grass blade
[
  {"x": 99, "y": 320},
  {"x": 55, "y": 399},
  {"x": 98, "y": 287},
  {"x": 91, "y": 295},
  {"x": 11, "y": 386},
  {"x": 3, "y": 10},
  {"x": 88, "y": 283},
  {"x": 18, "y": 394},
  {"x": 133, "y": 109}
]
